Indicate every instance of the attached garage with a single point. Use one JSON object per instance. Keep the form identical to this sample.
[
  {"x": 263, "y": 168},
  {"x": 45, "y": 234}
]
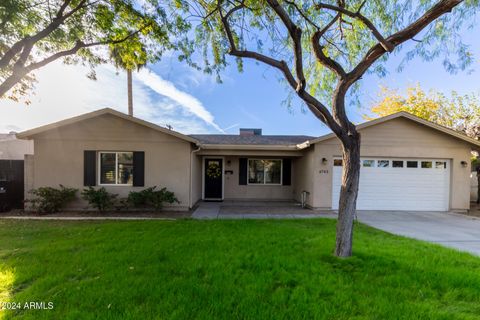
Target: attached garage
[
  {"x": 399, "y": 184},
  {"x": 407, "y": 164}
]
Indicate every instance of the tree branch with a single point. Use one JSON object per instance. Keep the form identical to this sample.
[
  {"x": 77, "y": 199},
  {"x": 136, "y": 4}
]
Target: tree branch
[
  {"x": 357, "y": 15},
  {"x": 318, "y": 50},
  {"x": 442, "y": 7},
  {"x": 29, "y": 41},
  {"x": 296, "y": 36},
  {"x": 315, "y": 106},
  {"x": 21, "y": 70},
  {"x": 303, "y": 14}
]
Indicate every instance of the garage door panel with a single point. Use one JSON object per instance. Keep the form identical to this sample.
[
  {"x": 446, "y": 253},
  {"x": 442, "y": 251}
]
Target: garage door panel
[{"x": 388, "y": 188}]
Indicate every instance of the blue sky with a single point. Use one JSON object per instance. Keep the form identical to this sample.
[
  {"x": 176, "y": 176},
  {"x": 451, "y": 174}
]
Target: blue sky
[{"x": 192, "y": 102}]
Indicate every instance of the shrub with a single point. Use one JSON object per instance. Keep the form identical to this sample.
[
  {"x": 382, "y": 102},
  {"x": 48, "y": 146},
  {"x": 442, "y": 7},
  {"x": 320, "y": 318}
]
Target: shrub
[
  {"x": 161, "y": 196},
  {"x": 151, "y": 198},
  {"x": 140, "y": 199},
  {"x": 100, "y": 198},
  {"x": 49, "y": 200}
]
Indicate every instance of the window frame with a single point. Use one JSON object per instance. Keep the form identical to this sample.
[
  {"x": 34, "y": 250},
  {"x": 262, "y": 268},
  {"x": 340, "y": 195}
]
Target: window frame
[
  {"x": 264, "y": 183},
  {"x": 443, "y": 162},
  {"x": 374, "y": 163},
  {"x": 403, "y": 166},
  {"x": 338, "y": 160},
  {"x": 99, "y": 175},
  {"x": 412, "y": 161},
  {"x": 382, "y": 160},
  {"x": 425, "y": 162}
]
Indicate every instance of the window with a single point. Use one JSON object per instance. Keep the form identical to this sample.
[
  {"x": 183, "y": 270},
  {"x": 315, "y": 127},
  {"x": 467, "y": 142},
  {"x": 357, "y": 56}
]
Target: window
[
  {"x": 426, "y": 164},
  {"x": 116, "y": 168},
  {"x": 368, "y": 163},
  {"x": 412, "y": 164},
  {"x": 264, "y": 171},
  {"x": 397, "y": 164},
  {"x": 440, "y": 165},
  {"x": 383, "y": 163},
  {"x": 337, "y": 162}
]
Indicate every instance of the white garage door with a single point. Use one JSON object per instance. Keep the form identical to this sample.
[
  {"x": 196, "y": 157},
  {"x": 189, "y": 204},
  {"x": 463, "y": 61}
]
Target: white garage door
[{"x": 399, "y": 184}]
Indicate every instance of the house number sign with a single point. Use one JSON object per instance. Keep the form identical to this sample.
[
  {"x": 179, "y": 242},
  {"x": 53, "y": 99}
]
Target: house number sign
[{"x": 323, "y": 171}]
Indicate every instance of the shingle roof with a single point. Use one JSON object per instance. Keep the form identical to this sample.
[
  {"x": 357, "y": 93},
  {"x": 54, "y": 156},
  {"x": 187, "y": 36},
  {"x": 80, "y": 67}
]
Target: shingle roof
[{"x": 231, "y": 139}]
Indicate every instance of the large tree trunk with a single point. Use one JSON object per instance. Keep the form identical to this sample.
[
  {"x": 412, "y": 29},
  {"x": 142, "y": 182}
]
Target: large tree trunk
[
  {"x": 130, "y": 92},
  {"x": 348, "y": 194}
]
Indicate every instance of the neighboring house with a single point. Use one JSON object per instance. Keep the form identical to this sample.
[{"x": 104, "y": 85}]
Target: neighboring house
[
  {"x": 12, "y": 148},
  {"x": 12, "y": 153},
  {"x": 407, "y": 163}
]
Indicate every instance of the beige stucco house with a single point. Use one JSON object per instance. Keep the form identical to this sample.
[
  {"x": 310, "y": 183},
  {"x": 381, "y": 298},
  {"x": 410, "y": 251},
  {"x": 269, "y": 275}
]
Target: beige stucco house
[{"x": 407, "y": 163}]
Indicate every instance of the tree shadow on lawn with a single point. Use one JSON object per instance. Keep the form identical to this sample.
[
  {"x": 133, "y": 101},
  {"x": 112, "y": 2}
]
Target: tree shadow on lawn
[{"x": 232, "y": 269}]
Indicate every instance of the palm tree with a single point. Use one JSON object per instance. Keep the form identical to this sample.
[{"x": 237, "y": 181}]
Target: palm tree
[{"x": 127, "y": 59}]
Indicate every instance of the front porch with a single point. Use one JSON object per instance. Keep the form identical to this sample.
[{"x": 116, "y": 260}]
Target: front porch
[
  {"x": 241, "y": 209},
  {"x": 250, "y": 177}
]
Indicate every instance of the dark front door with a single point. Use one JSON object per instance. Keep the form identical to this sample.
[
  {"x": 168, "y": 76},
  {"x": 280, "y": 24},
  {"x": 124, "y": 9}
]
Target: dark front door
[{"x": 213, "y": 179}]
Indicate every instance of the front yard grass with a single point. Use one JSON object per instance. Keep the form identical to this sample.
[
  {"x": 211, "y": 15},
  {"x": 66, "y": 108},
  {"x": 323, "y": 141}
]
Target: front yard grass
[{"x": 264, "y": 269}]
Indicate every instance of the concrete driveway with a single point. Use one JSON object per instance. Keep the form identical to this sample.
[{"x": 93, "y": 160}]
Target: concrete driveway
[{"x": 451, "y": 230}]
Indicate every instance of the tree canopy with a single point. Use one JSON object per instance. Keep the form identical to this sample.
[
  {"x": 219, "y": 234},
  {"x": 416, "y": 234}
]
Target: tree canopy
[
  {"x": 333, "y": 36},
  {"x": 35, "y": 33},
  {"x": 459, "y": 112}
]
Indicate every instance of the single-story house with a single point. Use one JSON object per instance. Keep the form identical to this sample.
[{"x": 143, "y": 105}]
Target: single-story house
[{"x": 407, "y": 163}]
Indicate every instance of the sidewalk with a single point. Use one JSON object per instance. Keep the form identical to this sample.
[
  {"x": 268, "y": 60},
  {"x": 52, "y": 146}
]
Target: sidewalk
[{"x": 263, "y": 210}]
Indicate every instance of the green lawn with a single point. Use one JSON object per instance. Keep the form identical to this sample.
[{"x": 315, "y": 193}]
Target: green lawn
[{"x": 189, "y": 269}]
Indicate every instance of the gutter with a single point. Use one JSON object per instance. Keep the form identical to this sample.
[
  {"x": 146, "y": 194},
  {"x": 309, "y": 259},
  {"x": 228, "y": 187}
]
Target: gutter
[
  {"x": 199, "y": 147},
  {"x": 303, "y": 145},
  {"x": 250, "y": 147}
]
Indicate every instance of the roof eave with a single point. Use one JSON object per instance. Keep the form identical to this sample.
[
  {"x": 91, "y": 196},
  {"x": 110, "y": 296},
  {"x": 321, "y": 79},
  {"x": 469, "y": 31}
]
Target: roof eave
[
  {"x": 249, "y": 147},
  {"x": 409, "y": 116},
  {"x": 29, "y": 134}
]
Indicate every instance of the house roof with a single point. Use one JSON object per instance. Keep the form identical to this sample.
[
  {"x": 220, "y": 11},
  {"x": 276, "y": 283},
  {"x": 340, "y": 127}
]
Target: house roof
[
  {"x": 231, "y": 139},
  {"x": 409, "y": 116},
  {"x": 259, "y": 142},
  {"x": 30, "y": 133}
]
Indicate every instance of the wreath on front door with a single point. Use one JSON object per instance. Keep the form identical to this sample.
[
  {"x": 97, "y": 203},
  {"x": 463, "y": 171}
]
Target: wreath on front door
[{"x": 214, "y": 171}]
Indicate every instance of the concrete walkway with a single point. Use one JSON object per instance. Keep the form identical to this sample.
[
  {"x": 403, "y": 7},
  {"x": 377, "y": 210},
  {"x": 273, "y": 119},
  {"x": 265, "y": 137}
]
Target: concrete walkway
[
  {"x": 448, "y": 229},
  {"x": 256, "y": 210}
]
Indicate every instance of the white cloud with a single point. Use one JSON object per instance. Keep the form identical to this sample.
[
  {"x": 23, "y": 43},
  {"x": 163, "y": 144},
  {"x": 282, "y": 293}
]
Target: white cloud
[
  {"x": 64, "y": 91},
  {"x": 167, "y": 89}
]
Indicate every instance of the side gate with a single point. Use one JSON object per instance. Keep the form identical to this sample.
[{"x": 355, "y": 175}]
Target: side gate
[{"x": 11, "y": 184}]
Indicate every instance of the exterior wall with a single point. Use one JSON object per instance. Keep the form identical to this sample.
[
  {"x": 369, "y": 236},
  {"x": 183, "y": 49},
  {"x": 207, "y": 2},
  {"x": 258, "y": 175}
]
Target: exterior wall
[
  {"x": 234, "y": 191},
  {"x": 400, "y": 138},
  {"x": 28, "y": 174},
  {"x": 196, "y": 179},
  {"x": 59, "y": 155},
  {"x": 304, "y": 169}
]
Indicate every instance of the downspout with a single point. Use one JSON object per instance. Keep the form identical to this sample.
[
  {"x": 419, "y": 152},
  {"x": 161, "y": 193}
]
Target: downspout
[{"x": 199, "y": 147}]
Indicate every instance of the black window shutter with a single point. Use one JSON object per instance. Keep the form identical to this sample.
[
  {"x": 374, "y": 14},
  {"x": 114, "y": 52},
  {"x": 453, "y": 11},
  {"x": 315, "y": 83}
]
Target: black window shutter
[
  {"x": 242, "y": 171},
  {"x": 138, "y": 169},
  {"x": 287, "y": 172},
  {"x": 89, "y": 168}
]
